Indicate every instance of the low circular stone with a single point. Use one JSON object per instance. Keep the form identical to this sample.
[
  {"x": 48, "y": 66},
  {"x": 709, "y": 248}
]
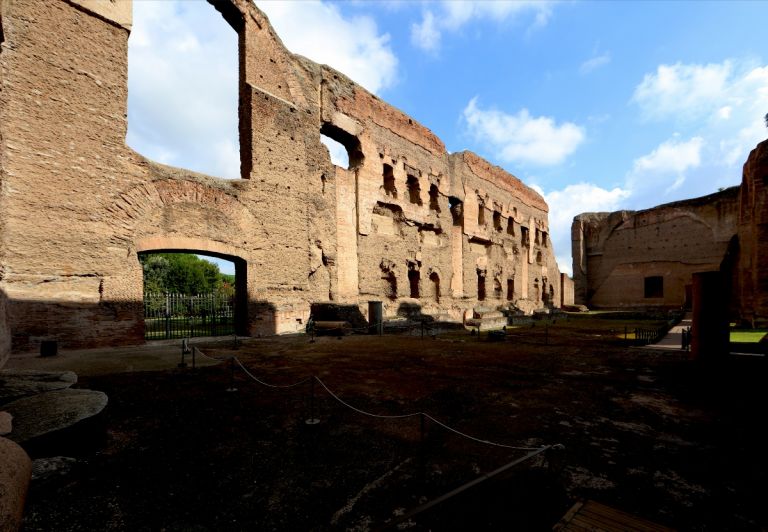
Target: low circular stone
[
  {"x": 15, "y": 472},
  {"x": 52, "y": 411},
  {"x": 6, "y": 424},
  {"x": 16, "y": 383}
]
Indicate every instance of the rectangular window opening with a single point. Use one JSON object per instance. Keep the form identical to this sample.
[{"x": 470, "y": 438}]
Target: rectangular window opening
[{"x": 654, "y": 287}]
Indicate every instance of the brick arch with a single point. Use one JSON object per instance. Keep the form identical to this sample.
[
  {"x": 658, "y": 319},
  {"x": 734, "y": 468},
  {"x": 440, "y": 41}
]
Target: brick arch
[
  {"x": 160, "y": 243},
  {"x": 131, "y": 212}
]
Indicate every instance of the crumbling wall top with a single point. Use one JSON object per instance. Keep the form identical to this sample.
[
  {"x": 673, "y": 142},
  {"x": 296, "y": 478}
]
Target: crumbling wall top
[
  {"x": 119, "y": 12},
  {"x": 503, "y": 179}
]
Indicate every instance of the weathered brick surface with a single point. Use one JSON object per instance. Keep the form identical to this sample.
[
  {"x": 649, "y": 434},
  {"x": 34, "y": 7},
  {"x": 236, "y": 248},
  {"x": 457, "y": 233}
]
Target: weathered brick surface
[
  {"x": 77, "y": 206},
  {"x": 613, "y": 253},
  {"x": 753, "y": 238}
]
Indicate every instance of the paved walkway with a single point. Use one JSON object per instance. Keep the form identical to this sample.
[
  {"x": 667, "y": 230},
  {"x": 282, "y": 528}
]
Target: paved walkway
[
  {"x": 674, "y": 338},
  {"x": 155, "y": 356}
]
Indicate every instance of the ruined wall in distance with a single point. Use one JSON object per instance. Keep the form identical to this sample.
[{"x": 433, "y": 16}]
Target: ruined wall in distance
[{"x": 615, "y": 253}]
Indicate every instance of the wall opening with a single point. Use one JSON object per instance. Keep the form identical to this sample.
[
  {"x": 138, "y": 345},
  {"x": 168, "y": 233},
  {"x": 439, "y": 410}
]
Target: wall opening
[
  {"x": 524, "y": 238},
  {"x": 538, "y": 258},
  {"x": 434, "y": 198},
  {"x": 497, "y": 221},
  {"x": 435, "y": 280},
  {"x": 480, "y": 285},
  {"x": 480, "y": 212},
  {"x": 389, "y": 285},
  {"x": 414, "y": 191},
  {"x": 457, "y": 211},
  {"x": 544, "y": 239},
  {"x": 332, "y": 136},
  {"x": 511, "y": 226},
  {"x": 536, "y": 239},
  {"x": 183, "y": 88},
  {"x": 654, "y": 286},
  {"x": 336, "y": 150},
  {"x": 188, "y": 295},
  {"x": 536, "y": 290},
  {"x": 389, "y": 181},
  {"x": 413, "y": 282},
  {"x": 510, "y": 289}
]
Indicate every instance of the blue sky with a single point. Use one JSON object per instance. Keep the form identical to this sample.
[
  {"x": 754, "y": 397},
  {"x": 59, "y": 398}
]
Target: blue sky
[{"x": 598, "y": 105}]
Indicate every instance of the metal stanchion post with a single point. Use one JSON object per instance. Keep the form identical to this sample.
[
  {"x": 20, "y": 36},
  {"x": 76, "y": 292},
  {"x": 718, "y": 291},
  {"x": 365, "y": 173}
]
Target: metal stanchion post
[
  {"x": 232, "y": 375},
  {"x": 183, "y": 363},
  {"x": 312, "y": 419}
]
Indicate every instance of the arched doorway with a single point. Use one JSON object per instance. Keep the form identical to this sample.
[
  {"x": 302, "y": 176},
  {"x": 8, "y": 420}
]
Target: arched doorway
[{"x": 184, "y": 305}]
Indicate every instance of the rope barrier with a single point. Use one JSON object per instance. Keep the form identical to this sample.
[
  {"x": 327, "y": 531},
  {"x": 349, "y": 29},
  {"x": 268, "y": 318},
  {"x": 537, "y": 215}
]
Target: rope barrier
[
  {"x": 370, "y": 414},
  {"x": 363, "y": 412},
  {"x": 414, "y": 414},
  {"x": 251, "y": 375}
]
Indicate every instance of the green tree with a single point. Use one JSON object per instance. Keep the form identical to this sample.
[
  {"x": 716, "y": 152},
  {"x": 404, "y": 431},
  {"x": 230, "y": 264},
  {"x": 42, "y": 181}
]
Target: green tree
[{"x": 182, "y": 273}]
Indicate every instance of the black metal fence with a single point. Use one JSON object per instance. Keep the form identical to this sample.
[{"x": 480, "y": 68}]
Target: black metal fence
[
  {"x": 168, "y": 316},
  {"x": 649, "y": 336}
]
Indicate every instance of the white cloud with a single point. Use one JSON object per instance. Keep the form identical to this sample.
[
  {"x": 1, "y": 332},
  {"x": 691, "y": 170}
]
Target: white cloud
[
  {"x": 426, "y": 35},
  {"x": 594, "y": 63},
  {"x": 683, "y": 90},
  {"x": 452, "y": 15},
  {"x": 522, "y": 138},
  {"x": 351, "y": 45},
  {"x": 720, "y": 104},
  {"x": 572, "y": 200},
  {"x": 182, "y": 87},
  {"x": 654, "y": 177}
]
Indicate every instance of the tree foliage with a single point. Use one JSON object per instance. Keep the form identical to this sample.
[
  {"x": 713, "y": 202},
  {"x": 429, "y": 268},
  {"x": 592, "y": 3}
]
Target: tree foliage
[{"x": 183, "y": 273}]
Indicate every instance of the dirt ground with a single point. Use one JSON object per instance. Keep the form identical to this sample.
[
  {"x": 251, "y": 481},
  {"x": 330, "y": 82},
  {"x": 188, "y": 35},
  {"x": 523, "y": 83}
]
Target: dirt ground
[{"x": 653, "y": 434}]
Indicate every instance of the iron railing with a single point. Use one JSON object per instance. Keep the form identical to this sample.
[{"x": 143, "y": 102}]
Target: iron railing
[{"x": 168, "y": 316}]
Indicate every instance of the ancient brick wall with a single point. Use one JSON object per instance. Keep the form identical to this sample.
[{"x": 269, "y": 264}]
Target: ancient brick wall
[
  {"x": 77, "y": 206},
  {"x": 752, "y": 280},
  {"x": 646, "y": 258}
]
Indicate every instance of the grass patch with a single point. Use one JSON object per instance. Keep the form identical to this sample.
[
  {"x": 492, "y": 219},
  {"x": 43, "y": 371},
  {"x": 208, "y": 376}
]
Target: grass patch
[{"x": 748, "y": 336}]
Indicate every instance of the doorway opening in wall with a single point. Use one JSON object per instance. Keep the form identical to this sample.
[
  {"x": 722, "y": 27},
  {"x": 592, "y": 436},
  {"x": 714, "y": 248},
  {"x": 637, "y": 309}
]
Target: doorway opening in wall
[
  {"x": 510, "y": 289},
  {"x": 481, "y": 286},
  {"x": 188, "y": 295},
  {"x": 183, "y": 87},
  {"x": 435, "y": 279},
  {"x": 413, "y": 281}
]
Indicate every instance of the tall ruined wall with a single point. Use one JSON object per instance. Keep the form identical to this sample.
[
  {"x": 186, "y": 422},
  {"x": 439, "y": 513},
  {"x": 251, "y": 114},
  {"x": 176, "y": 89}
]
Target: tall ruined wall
[
  {"x": 753, "y": 238},
  {"x": 614, "y": 253},
  {"x": 77, "y": 206}
]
